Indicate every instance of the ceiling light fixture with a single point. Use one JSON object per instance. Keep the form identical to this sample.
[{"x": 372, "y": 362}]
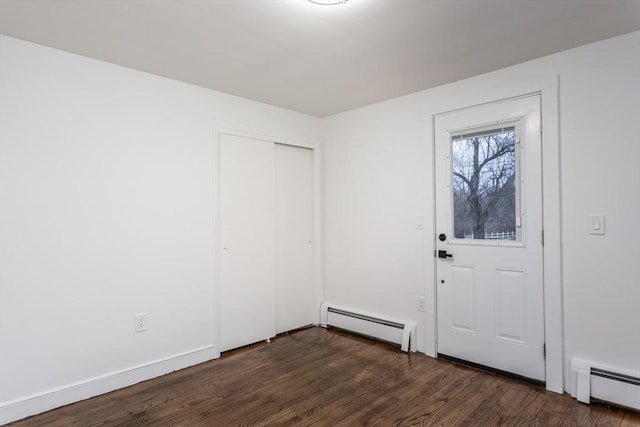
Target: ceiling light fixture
[{"x": 328, "y": 2}]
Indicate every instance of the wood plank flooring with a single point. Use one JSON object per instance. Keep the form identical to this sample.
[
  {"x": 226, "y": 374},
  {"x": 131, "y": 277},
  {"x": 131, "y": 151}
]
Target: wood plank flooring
[{"x": 325, "y": 377}]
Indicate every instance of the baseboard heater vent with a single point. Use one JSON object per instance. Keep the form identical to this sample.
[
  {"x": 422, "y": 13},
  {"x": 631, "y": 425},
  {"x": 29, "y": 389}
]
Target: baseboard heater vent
[
  {"x": 606, "y": 384},
  {"x": 373, "y": 325}
]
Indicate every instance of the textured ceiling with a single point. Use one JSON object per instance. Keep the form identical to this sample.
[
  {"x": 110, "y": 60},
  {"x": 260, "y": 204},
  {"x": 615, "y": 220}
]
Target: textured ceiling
[{"x": 316, "y": 59}]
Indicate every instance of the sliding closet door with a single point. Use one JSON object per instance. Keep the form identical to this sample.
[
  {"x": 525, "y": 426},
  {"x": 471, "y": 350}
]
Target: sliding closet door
[
  {"x": 294, "y": 231},
  {"x": 247, "y": 238}
]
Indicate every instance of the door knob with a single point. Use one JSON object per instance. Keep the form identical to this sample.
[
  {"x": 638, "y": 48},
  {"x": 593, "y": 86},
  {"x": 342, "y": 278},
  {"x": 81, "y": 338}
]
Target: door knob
[{"x": 444, "y": 255}]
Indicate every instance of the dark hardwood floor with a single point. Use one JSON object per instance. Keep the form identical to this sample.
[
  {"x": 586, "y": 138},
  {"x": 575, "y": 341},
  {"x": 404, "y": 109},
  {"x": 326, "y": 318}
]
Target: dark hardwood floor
[{"x": 328, "y": 378}]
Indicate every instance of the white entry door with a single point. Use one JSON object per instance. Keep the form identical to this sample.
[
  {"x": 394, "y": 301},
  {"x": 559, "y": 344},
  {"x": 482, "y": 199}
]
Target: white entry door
[
  {"x": 247, "y": 241},
  {"x": 294, "y": 231},
  {"x": 489, "y": 236}
]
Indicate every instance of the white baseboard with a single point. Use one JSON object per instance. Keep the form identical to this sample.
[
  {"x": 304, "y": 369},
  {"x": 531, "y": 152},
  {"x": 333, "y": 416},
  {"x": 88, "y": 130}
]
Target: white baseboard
[{"x": 41, "y": 402}]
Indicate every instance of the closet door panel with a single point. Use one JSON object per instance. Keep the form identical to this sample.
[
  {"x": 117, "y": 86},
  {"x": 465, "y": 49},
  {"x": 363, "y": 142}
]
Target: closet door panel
[
  {"x": 247, "y": 241},
  {"x": 294, "y": 231}
]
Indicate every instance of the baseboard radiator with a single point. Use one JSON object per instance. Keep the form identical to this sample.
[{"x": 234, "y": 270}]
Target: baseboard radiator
[
  {"x": 605, "y": 384},
  {"x": 373, "y": 325}
]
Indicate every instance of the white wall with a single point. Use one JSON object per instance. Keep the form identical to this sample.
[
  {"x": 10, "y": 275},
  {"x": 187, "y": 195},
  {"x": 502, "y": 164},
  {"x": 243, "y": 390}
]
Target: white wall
[
  {"x": 106, "y": 192},
  {"x": 600, "y": 108},
  {"x": 377, "y": 173},
  {"x": 374, "y": 179}
]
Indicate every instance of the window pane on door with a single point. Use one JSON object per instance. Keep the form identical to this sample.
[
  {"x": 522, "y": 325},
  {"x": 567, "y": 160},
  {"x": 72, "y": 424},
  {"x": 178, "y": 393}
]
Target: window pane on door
[{"x": 485, "y": 180}]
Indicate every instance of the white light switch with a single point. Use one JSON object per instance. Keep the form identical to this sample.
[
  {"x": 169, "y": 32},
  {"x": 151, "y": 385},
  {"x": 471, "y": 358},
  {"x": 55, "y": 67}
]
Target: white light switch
[
  {"x": 419, "y": 223},
  {"x": 596, "y": 224}
]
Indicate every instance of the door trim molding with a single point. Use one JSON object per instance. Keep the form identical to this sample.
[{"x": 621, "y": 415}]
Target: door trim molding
[{"x": 489, "y": 88}]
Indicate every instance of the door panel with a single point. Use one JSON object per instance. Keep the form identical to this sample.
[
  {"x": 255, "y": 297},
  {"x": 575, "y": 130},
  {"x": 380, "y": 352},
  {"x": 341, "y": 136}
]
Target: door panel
[
  {"x": 510, "y": 300},
  {"x": 462, "y": 298},
  {"x": 247, "y": 237},
  {"x": 294, "y": 230},
  {"x": 489, "y": 207}
]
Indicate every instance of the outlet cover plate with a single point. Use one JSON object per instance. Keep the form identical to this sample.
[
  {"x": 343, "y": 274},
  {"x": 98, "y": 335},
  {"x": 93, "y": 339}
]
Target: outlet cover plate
[{"x": 141, "y": 322}]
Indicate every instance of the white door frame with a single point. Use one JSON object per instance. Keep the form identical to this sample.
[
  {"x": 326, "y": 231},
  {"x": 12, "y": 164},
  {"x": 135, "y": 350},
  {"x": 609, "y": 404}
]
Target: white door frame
[
  {"x": 485, "y": 89},
  {"x": 278, "y": 138}
]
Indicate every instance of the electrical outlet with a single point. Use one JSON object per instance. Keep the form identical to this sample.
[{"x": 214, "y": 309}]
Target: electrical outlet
[
  {"x": 420, "y": 303},
  {"x": 141, "y": 322}
]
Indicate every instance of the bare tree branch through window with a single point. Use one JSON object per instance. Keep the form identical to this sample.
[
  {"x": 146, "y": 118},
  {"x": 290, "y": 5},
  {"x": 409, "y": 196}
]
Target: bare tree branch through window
[{"x": 484, "y": 193}]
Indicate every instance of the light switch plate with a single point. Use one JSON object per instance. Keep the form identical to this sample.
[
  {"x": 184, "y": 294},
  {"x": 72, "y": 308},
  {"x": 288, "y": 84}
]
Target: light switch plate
[{"x": 596, "y": 224}]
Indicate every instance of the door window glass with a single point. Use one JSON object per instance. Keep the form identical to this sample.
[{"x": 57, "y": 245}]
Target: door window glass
[{"x": 485, "y": 184}]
